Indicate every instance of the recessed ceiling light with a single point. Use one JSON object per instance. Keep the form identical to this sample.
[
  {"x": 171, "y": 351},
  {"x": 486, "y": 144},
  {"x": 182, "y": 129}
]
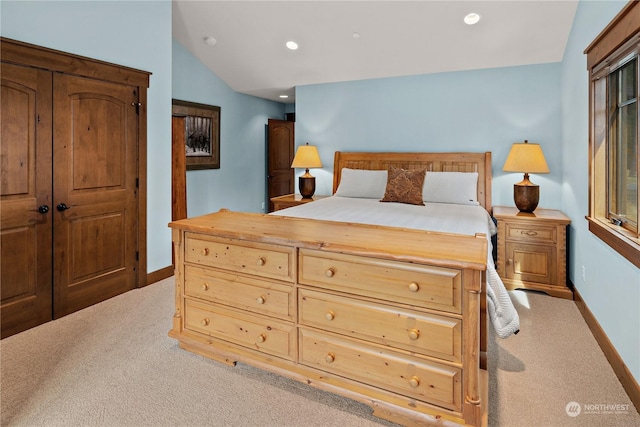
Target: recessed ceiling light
[
  {"x": 356, "y": 35},
  {"x": 292, "y": 45},
  {"x": 210, "y": 41},
  {"x": 284, "y": 96},
  {"x": 471, "y": 19}
]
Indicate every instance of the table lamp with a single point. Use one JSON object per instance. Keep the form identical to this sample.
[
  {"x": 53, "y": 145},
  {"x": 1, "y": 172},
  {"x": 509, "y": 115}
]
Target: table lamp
[
  {"x": 527, "y": 158},
  {"x": 307, "y": 157}
]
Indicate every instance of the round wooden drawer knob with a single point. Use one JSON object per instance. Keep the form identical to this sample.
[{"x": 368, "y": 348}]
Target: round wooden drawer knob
[
  {"x": 260, "y": 300},
  {"x": 413, "y": 287},
  {"x": 205, "y": 251},
  {"x": 509, "y": 261},
  {"x": 414, "y": 382},
  {"x": 205, "y": 286},
  {"x": 330, "y": 357},
  {"x": 261, "y": 261},
  {"x": 414, "y": 334},
  {"x": 330, "y": 272},
  {"x": 330, "y": 315},
  {"x": 261, "y": 338},
  {"x": 205, "y": 321}
]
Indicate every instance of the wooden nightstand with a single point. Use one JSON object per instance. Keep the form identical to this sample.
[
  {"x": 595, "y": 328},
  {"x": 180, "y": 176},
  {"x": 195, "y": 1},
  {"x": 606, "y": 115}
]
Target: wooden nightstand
[
  {"x": 532, "y": 250},
  {"x": 290, "y": 200}
]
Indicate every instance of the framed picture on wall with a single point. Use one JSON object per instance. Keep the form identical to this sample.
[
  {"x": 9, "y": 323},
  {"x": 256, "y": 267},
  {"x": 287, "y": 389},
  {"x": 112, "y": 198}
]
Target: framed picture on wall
[{"x": 201, "y": 133}]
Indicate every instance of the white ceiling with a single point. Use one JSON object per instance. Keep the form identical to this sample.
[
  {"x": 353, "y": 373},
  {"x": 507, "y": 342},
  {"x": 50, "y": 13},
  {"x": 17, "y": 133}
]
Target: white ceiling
[{"x": 397, "y": 38}]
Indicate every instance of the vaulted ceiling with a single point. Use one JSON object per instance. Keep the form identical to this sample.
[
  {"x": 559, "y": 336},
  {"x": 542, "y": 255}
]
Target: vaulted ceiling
[{"x": 356, "y": 40}]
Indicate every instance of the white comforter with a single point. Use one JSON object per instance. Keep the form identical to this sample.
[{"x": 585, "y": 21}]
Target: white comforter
[{"x": 461, "y": 219}]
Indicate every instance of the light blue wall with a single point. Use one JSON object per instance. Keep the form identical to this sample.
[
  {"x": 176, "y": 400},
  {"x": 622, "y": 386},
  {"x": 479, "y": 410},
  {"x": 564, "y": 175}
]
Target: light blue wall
[
  {"x": 136, "y": 34},
  {"x": 239, "y": 184},
  {"x": 290, "y": 108},
  {"x": 482, "y": 110},
  {"x": 611, "y": 285}
]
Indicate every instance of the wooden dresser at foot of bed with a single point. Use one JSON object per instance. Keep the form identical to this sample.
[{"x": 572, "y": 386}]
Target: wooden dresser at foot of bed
[{"x": 389, "y": 317}]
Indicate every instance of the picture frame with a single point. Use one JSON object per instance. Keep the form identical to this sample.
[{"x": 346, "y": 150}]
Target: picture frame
[{"x": 201, "y": 133}]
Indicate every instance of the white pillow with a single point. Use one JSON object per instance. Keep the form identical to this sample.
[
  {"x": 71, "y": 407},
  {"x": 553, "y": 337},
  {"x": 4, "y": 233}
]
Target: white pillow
[
  {"x": 365, "y": 184},
  {"x": 451, "y": 187}
]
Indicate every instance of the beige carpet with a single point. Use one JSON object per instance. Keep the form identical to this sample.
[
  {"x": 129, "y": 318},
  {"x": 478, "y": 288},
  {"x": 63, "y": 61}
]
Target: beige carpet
[{"x": 113, "y": 365}]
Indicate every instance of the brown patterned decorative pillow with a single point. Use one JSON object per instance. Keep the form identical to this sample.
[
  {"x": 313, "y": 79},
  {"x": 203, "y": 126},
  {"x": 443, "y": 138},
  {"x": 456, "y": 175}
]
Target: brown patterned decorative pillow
[{"x": 404, "y": 186}]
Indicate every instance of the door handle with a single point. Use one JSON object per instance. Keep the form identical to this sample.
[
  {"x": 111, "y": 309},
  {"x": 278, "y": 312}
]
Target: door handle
[
  {"x": 43, "y": 209},
  {"x": 62, "y": 207}
]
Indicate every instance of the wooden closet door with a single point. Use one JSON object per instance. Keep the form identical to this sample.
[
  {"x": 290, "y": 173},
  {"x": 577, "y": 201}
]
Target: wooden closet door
[
  {"x": 25, "y": 188},
  {"x": 95, "y": 191}
]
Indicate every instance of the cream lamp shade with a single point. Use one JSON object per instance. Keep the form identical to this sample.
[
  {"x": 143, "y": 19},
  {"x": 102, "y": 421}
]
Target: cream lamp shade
[
  {"x": 307, "y": 157},
  {"x": 526, "y": 158}
]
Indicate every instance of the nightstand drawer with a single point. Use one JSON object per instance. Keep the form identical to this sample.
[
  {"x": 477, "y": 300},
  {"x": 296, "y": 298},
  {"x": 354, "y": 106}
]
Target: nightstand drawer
[
  {"x": 419, "y": 285},
  {"x": 258, "y": 259},
  {"x": 429, "y": 334},
  {"x": 381, "y": 367},
  {"x": 528, "y": 233},
  {"x": 531, "y": 263}
]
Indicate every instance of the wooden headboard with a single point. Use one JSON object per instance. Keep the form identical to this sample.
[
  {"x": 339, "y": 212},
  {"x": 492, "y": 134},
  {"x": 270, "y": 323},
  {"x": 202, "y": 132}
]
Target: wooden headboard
[{"x": 435, "y": 162}]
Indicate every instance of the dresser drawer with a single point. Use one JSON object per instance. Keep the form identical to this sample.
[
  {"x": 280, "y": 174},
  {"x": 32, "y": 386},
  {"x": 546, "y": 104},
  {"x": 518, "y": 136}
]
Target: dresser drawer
[
  {"x": 429, "y": 334},
  {"x": 267, "y": 335},
  {"x": 243, "y": 292},
  {"x": 276, "y": 262},
  {"x": 418, "y": 285},
  {"x": 375, "y": 365},
  {"x": 530, "y": 232}
]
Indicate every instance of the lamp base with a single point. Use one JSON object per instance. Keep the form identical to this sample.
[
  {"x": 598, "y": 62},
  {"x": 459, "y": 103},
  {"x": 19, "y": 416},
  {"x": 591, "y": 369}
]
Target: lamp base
[
  {"x": 307, "y": 186},
  {"x": 526, "y": 195}
]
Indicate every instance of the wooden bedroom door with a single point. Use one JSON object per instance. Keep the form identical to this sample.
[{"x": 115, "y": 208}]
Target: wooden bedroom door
[
  {"x": 25, "y": 201},
  {"x": 95, "y": 187},
  {"x": 280, "y": 144}
]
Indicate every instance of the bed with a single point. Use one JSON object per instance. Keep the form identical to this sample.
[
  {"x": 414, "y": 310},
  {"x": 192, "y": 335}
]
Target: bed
[
  {"x": 453, "y": 204},
  {"x": 391, "y": 314}
]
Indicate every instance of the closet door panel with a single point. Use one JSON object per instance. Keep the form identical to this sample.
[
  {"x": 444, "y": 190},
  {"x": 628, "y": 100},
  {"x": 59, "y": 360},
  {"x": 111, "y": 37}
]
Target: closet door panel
[
  {"x": 95, "y": 187},
  {"x": 25, "y": 205}
]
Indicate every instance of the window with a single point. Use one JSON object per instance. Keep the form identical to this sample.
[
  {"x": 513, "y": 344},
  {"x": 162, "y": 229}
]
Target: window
[
  {"x": 614, "y": 66},
  {"x": 622, "y": 152}
]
